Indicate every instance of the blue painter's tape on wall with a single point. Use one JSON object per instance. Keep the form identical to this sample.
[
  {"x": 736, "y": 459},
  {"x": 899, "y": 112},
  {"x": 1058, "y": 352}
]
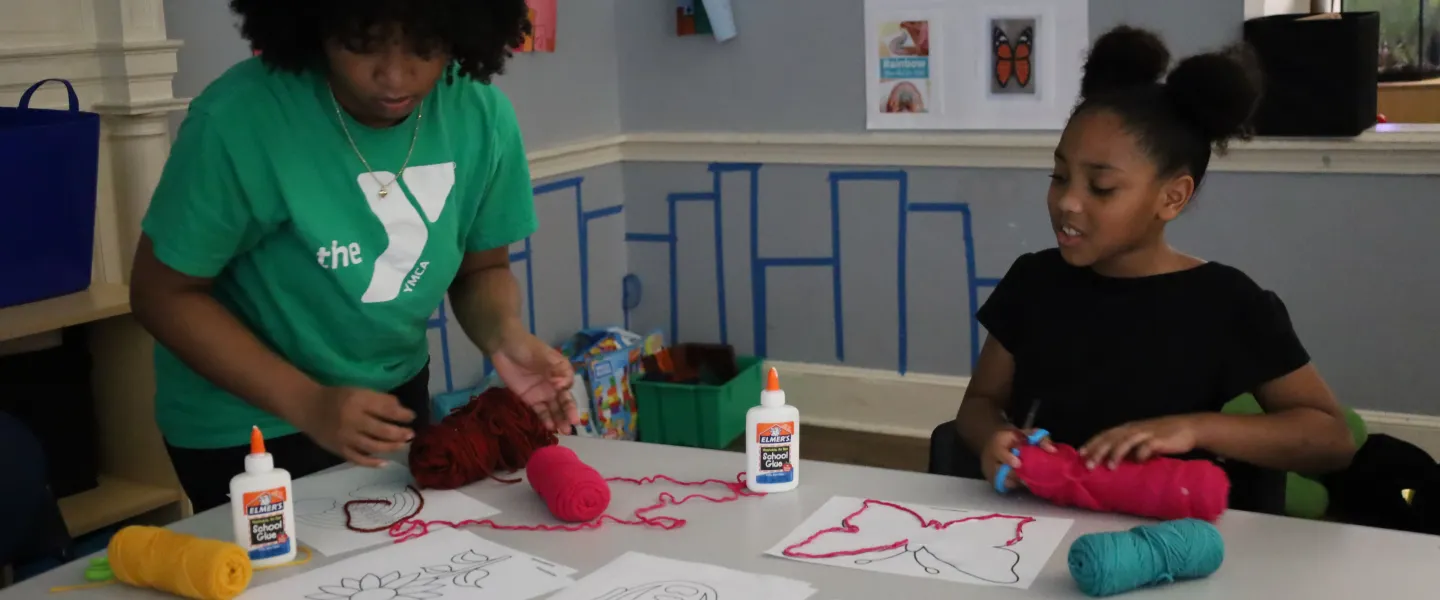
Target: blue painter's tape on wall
[{"x": 630, "y": 294}]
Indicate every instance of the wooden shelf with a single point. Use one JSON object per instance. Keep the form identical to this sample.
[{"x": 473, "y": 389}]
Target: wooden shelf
[
  {"x": 112, "y": 502},
  {"x": 101, "y": 301}
]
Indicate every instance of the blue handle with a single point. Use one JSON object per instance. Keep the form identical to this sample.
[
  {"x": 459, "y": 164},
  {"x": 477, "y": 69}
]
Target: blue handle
[
  {"x": 1004, "y": 472},
  {"x": 74, "y": 99}
]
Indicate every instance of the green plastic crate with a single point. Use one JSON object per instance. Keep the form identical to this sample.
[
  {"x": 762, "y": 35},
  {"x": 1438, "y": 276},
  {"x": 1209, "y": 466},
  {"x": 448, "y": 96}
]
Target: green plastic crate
[{"x": 702, "y": 416}]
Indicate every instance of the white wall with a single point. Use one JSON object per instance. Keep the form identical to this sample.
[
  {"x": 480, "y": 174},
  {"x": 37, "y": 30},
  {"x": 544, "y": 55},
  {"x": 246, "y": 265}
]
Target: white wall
[{"x": 1265, "y": 8}]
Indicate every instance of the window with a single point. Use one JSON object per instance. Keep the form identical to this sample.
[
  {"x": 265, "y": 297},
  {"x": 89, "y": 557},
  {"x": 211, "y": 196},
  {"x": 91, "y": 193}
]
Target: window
[{"x": 1409, "y": 37}]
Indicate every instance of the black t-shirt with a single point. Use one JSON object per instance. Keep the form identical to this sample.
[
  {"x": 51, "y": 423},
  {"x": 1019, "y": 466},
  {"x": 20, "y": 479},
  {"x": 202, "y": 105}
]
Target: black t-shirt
[{"x": 1100, "y": 351}]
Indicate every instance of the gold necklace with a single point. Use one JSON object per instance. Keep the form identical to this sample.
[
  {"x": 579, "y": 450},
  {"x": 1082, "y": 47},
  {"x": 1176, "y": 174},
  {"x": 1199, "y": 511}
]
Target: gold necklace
[{"x": 384, "y": 187}]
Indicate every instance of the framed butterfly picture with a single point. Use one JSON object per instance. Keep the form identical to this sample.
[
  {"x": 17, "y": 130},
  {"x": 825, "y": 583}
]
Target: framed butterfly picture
[{"x": 1013, "y": 56}]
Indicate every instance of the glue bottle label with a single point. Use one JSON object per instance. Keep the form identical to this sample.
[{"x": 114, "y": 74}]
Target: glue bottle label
[
  {"x": 265, "y": 511},
  {"x": 774, "y": 440}
]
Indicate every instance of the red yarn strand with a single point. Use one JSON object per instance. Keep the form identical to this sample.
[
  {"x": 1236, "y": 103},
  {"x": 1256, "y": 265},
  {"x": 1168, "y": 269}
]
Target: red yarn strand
[
  {"x": 349, "y": 516},
  {"x": 846, "y": 527},
  {"x": 414, "y": 528},
  {"x": 497, "y": 433}
]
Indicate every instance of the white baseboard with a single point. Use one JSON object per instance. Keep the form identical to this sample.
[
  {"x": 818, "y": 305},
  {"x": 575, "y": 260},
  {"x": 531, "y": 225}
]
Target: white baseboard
[{"x": 911, "y": 405}]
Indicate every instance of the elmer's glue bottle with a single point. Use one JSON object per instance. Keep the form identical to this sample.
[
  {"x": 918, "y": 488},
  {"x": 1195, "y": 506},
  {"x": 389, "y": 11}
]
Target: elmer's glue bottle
[
  {"x": 262, "y": 507},
  {"x": 772, "y": 441}
]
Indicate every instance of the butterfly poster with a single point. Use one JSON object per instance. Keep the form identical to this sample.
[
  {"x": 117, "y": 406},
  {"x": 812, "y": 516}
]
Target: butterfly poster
[
  {"x": 949, "y": 544},
  {"x": 1013, "y": 59}
]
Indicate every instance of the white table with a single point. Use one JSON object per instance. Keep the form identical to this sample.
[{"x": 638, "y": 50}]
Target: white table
[{"x": 1266, "y": 556}]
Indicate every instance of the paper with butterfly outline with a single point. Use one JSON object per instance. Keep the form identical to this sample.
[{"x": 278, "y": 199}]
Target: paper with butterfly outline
[
  {"x": 952, "y": 544},
  {"x": 320, "y": 507},
  {"x": 447, "y": 564}
]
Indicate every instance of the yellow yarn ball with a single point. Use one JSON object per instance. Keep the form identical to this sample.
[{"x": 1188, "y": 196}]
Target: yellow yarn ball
[{"x": 183, "y": 565}]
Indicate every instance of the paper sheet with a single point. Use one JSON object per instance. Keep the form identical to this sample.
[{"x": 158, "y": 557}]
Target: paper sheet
[
  {"x": 320, "y": 507},
  {"x": 984, "y": 65},
  {"x": 637, "y": 576},
  {"x": 448, "y": 564},
  {"x": 964, "y": 546},
  {"x": 722, "y": 19}
]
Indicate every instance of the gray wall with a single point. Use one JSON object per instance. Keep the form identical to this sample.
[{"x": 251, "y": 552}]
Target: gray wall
[
  {"x": 560, "y": 97},
  {"x": 550, "y": 274},
  {"x": 1357, "y": 302},
  {"x": 1354, "y": 281},
  {"x": 799, "y": 65}
]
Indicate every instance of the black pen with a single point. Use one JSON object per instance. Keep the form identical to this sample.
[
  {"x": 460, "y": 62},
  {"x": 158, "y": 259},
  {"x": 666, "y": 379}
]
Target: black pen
[{"x": 1030, "y": 417}]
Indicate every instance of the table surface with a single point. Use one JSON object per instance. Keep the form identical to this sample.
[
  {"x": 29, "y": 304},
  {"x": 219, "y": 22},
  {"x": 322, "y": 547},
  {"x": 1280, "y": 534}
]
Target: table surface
[{"x": 1266, "y": 556}]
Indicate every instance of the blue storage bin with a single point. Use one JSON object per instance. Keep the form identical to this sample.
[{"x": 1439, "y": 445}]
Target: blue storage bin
[{"x": 49, "y": 161}]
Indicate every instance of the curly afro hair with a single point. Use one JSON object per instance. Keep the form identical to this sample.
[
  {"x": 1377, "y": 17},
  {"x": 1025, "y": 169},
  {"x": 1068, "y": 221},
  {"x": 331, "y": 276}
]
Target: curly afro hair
[
  {"x": 1205, "y": 101},
  {"x": 477, "y": 34}
]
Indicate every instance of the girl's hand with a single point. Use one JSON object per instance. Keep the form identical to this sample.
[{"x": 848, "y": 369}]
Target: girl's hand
[
  {"x": 997, "y": 452},
  {"x": 1142, "y": 440}
]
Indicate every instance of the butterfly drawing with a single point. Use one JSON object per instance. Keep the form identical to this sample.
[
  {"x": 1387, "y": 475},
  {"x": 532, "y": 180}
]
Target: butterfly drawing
[
  {"x": 976, "y": 545},
  {"x": 1013, "y": 60}
]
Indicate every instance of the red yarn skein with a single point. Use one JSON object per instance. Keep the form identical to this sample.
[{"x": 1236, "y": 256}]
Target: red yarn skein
[
  {"x": 494, "y": 432},
  {"x": 1160, "y": 488},
  {"x": 574, "y": 491}
]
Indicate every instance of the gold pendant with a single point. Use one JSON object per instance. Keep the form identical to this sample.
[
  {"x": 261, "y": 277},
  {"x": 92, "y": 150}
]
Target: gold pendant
[{"x": 384, "y": 191}]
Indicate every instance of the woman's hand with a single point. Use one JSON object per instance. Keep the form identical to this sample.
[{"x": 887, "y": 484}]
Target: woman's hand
[
  {"x": 357, "y": 424},
  {"x": 1142, "y": 440},
  {"x": 540, "y": 376}
]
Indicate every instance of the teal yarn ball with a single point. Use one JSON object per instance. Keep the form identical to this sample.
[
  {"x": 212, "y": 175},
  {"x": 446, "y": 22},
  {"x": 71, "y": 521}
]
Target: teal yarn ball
[{"x": 1105, "y": 564}]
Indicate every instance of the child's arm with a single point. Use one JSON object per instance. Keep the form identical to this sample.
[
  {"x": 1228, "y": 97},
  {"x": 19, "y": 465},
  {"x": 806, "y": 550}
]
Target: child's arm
[
  {"x": 982, "y": 411},
  {"x": 1303, "y": 428}
]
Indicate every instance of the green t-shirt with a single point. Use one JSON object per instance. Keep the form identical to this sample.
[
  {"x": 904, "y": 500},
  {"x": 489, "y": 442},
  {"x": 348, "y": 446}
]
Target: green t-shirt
[{"x": 263, "y": 193}]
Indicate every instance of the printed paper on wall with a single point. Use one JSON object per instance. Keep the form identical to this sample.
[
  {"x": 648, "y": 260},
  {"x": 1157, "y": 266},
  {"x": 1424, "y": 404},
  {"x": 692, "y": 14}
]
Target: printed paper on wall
[
  {"x": 542, "y": 15},
  {"x": 905, "y": 81},
  {"x": 1014, "y": 65}
]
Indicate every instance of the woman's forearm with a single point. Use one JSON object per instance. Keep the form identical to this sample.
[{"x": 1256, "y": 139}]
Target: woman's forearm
[
  {"x": 487, "y": 305},
  {"x": 1304, "y": 440},
  {"x": 210, "y": 340}
]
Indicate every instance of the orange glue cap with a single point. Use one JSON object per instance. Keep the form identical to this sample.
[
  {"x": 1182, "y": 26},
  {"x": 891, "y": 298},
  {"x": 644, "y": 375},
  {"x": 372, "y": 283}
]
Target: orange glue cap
[
  {"x": 773, "y": 395},
  {"x": 257, "y": 441}
]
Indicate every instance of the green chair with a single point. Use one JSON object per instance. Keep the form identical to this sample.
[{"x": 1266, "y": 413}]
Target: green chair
[{"x": 1305, "y": 498}]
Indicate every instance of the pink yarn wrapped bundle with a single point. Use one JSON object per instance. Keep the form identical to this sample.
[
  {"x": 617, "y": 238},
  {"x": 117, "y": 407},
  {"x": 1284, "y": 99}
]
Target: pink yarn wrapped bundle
[
  {"x": 574, "y": 491},
  {"x": 1160, "y": 488}
]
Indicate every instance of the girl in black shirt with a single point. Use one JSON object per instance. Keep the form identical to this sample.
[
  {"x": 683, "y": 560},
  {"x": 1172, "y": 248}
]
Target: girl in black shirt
[{"x": 1129, "y": 346}]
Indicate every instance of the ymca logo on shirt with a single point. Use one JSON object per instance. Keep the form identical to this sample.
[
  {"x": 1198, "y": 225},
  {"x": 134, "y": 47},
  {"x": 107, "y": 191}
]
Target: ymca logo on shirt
[{"x": 399, "y": 268}]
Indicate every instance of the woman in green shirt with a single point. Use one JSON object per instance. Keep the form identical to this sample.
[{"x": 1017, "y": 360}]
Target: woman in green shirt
[{"x": 319, "y": 202}]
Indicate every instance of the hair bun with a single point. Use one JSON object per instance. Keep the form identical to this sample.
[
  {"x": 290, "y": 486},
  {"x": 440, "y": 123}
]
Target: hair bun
[
  {"x": 1124, "y": 57},
  {"x": 1217, "y": 92}
]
